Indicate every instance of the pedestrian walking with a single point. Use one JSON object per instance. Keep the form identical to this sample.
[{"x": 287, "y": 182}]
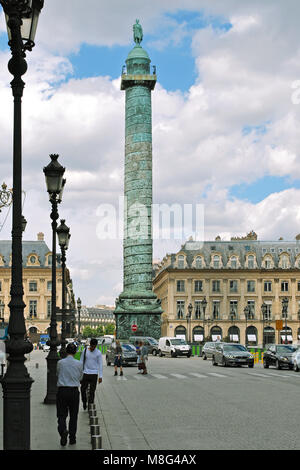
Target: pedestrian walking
[
  {"x": 138, "y": 345},
  {"x": 144, "y": 358},
  {"x": 92, "y": 362},
  {"x": 69, "y": 374},
  {"x": 118, "y": 358}
]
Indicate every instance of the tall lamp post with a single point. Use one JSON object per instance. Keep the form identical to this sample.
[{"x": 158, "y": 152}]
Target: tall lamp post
[
  {"x": 63, "y": 233},
  {"x": 285, "y": 303},
  {"x": 188, "y": 319},
  {"x": 232, "y": 317},
  {"x": 204, "y": 304},
  {"x": 79, "y": 310},
  {"x": 55, "y": 184},
  {"x": 21, "y": 20},
  {"x": 246, "y": 312},
  {"x": 264, "y": 314}
]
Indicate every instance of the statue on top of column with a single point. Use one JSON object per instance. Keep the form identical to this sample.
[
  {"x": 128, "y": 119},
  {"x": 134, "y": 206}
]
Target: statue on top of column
[{"x": 137, "y": 32}]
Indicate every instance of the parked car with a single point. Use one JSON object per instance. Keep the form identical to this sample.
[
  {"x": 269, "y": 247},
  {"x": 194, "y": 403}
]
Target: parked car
[
  {"x": 208, "y": 350},
  {"x": 174, "y": 347},
  {"x": 232, "y": 354},
  {"x": 296, "y": 360},
  {"x": 279, "y": 355},
  {"x": 150, "y": 342},
  {"x": 129, "y": 354}
]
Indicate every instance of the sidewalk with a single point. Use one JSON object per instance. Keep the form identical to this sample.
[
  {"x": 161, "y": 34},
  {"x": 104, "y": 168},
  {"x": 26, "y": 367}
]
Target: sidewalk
[{"x": 44, "y": 435}]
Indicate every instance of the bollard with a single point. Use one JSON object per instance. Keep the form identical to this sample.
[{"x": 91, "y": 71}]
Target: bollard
[
  {"x": 95, "y": 430},
  {"x": 36, "y": 365},
  {"x": 91, "y": 406},
  {"x": 92, "y": 413},
  {"x": 93, "y": 420},
  {"x": 97, "y": 442}
]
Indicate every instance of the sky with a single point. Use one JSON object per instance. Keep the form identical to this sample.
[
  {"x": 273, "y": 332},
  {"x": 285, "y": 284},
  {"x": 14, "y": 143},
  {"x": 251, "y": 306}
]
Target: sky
[{"x": 225, "y": 114}]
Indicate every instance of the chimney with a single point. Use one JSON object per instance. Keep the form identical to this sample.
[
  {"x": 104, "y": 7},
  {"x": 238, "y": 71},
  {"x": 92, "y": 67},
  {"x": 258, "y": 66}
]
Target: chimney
[{"x": 40, "y": 237}]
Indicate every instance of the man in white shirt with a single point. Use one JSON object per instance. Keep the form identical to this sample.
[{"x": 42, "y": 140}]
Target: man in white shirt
[
  {"x": 91, "y": 358},
  {"x": 69, "y": 375}
]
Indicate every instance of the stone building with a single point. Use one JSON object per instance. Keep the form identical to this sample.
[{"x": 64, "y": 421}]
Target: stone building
[
  {"x": 37, "y": 284},
  {"x": 231, "y": 275},
  {"x": 100, "y": 315}
]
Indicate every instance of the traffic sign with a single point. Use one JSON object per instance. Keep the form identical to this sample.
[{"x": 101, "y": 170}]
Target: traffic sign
[{"x": 134, "y": 328}]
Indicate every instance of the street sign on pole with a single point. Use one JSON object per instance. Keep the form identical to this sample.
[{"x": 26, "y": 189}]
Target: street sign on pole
[
  {"x": 279, "y": 325},
  {"x": 134, "y": 328}
]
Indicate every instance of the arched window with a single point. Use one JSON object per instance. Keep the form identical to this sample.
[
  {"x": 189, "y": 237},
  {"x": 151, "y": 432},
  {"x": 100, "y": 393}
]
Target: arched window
[
  {"x": 216, "y": 261},
  {"x": 198, "y": 262},
  {"x": 284, "y": 262},
  {"x": 180, "y": 331},
  {"x": 267, "y": 262},
  {"x": 250, "y": 262},
  {"x": 234, "y": 334}
]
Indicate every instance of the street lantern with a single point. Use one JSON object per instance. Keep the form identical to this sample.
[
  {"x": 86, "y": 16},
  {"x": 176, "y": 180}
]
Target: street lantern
[
  {"x": 54, "y": 177},
  {"x": 24, "y": 223},
  {"x": 63, "y": 233},
  {"x": 21, "y": 19},
  {"x": 79, "y": 309},
  {"x": 204, "y": 304},
  {"x": 188, "y": 318},
  {"x": 264, "y": 314},
  {"x": 30, "y": 12}
]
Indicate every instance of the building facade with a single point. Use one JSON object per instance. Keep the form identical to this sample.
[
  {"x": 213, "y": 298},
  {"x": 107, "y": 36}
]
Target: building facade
[
  {"x": 218, "y": 279},
  {"x": 37, "y": 284},
  {"x": 100, "y": 315}
]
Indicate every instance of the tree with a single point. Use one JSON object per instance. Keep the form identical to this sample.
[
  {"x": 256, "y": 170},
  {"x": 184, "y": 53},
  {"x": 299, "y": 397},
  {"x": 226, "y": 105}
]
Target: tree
[{"x": 109, "y": 329}]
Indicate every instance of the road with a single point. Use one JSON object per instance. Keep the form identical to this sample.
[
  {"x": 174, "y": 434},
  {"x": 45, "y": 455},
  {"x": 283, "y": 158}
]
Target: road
[
  {"x": 183, "y": 404},
  {"x": 190, "y": 404}
]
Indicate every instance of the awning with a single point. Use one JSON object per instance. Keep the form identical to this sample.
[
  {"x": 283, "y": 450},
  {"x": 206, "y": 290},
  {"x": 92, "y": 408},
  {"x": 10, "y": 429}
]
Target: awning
[
  {"x": 215, "y": 337},
  {"x": 198, "y": 337},
  {"x": 289, "y": 337},
  {"x": 180, "y": 336},
  {"x": 251, "y": 337},
  {"x": 234, "y": 337}
]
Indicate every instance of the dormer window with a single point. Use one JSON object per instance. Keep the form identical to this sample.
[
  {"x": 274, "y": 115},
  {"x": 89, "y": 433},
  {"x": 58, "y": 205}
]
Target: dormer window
[
  {"x": 284, "y": 262},
  {"x": 198, "y": 262},
  {"x": 181, "y": 262},
  {"x": 32, "y": 259},
  {"x": 216, "y": 262},
  {"x": 268, "y": 263},
  {"x": 250, "y": 262},
  {"x": 233, "y": 262}
]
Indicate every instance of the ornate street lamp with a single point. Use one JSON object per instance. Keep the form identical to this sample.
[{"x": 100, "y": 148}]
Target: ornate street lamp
[
  {"x": 264, "y": 314},
  {"x": 79, "y": 309},
  {"x": 204, "y": 304},
  {"x": 285, "y": 303},
  {"x": 55, "y": 184},
  {"x": 21, "y": 19},
  {"x": 232, "y": 317},
  {"x": 246, "y": 312},
  {"x": 188, "y": 318},
  {"x": 63, "y": 233}
]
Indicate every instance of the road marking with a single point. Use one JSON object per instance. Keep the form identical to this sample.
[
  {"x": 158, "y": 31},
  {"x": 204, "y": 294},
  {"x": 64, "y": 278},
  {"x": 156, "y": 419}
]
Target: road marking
[
  {"x": 257, "y": 375},
  {"x": 179, "y": 376},
  {"x": 216, "y": 375},
  {"x": 198, "y": 375},
  {"x": 122, "y": 378},
  {"x": 138, "y": 377},
  {"x": 159, "y": 376},
  {"x": 278, "y": 375}
]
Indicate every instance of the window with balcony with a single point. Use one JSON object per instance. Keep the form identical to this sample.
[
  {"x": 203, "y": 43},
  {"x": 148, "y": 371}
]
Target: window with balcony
[
  {"x": 216, "y": 310},
  {"x": 33, "y": 308},
  {"x": 180, "y": 309},
  {"x": 233, "y": 306},
  {"x": 197, "y": 309},
  {"x": 251, "y": 305}
]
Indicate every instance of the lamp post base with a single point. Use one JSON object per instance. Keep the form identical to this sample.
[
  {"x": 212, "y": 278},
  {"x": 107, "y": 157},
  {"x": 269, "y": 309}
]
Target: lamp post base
[{"x": 52, "y": 360}]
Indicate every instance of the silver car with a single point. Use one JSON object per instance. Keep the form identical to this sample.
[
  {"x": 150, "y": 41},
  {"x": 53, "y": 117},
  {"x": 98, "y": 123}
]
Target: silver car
[{"x": 296, "y": 360}]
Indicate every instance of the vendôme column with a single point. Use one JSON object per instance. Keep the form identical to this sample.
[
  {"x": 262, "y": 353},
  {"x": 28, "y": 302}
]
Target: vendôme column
[{"x": 138, "y": 305}]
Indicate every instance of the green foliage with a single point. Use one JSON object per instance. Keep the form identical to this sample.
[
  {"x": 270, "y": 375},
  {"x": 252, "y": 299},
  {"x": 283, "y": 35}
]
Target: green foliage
[
  {"x": 109, "y": 329},
  {"x": 89, "y": 332}
]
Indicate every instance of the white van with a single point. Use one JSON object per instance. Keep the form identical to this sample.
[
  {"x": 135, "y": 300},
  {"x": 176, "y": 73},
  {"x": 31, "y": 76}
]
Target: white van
[{"x": 174, "y": 347}]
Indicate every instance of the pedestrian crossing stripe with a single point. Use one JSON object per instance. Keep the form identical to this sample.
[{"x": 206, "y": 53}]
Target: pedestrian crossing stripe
[
  {"x": 217, "y": 375},
  {"x": 179, "y": 376},
  {"x": 159, "y": 376},
  {"x": 201, "y": 376}
]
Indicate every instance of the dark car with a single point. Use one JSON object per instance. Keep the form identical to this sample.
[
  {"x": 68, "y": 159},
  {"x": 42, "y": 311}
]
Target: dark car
[
  {"x": 129, "y": 355},
  {"x": 150, "y": 342},
  {"x": 232, "y": 354},
  {"x": 208, "y": 350},
  {"x": 279, "y": 355}
]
